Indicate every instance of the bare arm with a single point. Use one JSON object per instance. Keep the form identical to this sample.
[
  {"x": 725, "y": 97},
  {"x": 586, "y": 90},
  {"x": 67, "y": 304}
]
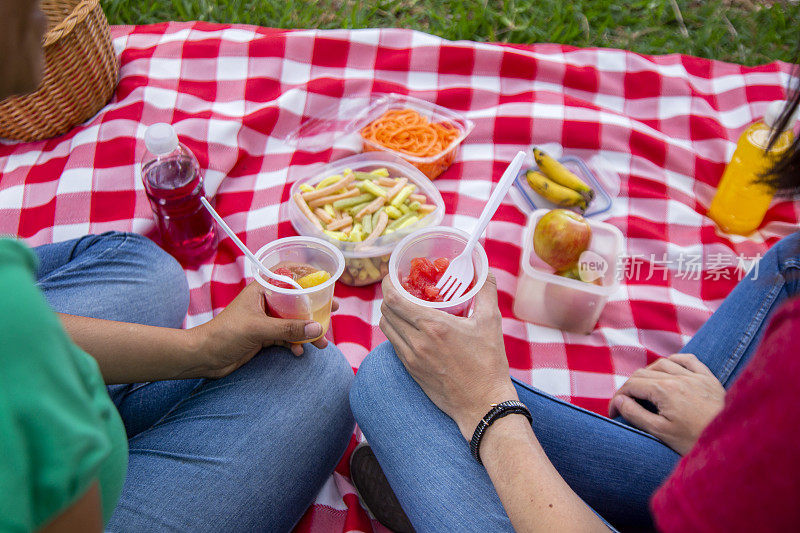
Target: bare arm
[
  {"x": 130, "y": 353},
  {"x": 533, "y": 493},
  {"x": 84, "y": 515}
]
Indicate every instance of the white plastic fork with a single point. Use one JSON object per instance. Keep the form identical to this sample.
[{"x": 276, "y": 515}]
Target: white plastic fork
[
  {"x": 460, "y": 273},
  {"x": 256, "y": 263}
]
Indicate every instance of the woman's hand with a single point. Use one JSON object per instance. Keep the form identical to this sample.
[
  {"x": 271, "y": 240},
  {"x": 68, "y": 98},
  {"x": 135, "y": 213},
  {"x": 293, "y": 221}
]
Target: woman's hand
[
  {"x": 685, "y": 392},
  {"x": 243, "y": 328},
  {"x": 460, "y": 363}
]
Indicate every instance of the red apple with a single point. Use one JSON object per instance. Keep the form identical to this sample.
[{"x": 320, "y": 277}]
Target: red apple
[{"x": 560, "y": 237}]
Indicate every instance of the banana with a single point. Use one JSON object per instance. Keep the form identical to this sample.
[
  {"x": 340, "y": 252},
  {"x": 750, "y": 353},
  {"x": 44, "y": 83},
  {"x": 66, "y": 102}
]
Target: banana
[
  {"x": 553, "y": 192},
  {"x": 562, "y": 175}
]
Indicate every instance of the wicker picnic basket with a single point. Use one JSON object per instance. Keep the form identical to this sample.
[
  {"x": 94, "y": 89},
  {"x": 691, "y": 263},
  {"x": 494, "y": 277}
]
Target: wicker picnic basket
[{"x": 81, "y": 72}]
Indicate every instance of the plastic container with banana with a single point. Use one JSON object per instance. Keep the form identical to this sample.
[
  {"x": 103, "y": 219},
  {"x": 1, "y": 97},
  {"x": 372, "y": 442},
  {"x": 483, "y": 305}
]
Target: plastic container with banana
[
  {"x": 558, "y": 184},
  {"x": 568, "y": 182}
]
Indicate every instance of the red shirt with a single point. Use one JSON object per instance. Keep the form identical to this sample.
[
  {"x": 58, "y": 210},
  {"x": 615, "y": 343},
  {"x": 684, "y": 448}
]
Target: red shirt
[{"x": 744, "y": 472}]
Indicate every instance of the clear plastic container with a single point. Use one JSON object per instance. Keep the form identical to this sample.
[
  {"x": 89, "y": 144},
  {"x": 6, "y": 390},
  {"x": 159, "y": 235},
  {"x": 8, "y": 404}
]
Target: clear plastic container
[
  {"x": 545, "y": 298},
  {"x": 366, "y": 263},
  {"x": 313, "y": 303},
  {"x": 604, "y": 183},
  {"x": 351, "y": 115},
  {"x": 434, "y": 243}
]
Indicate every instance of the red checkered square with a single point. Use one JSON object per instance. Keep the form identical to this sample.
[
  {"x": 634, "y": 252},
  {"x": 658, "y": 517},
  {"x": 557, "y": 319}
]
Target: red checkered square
[
  {"x": 456, "y": 60},
  {"x": 589, "y": 359},
  {"x": 108, "y": 206},
  {"x": 581, "y": 135},
  {"x": 513, "y": 130},
  {"x": 642, "y": 84},
  {"x": 392, "y": 59},
  {"x": 516, "y": 65},
  {"x": 584, "y": 78},
  {"x": 661, "y": 316},
  {"x": 330, "y": 52},
  {"x": 32, "y": 220}
]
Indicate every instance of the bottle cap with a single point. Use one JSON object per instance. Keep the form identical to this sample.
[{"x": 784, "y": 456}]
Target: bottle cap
[
  {"x": 160, "y": 139},
  {"x": 774, "y": 113}
]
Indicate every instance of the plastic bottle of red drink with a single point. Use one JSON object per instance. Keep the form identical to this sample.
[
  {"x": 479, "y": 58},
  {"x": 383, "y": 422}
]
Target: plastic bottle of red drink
[{"x": 174, "y": 185}]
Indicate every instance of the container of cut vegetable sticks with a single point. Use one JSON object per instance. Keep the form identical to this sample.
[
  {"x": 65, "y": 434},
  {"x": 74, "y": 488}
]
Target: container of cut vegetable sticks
[{"x": 364, "y": 204}]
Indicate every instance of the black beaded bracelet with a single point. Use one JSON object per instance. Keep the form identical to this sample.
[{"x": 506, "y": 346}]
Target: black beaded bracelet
[{"x": 498, "y": 411}]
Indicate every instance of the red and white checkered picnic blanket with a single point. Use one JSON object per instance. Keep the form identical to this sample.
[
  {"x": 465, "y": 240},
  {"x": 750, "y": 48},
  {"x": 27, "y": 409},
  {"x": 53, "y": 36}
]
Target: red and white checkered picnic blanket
[{"x": 666, "y": 125}]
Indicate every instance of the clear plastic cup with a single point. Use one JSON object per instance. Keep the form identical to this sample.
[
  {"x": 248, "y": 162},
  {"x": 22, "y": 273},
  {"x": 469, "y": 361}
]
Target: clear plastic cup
[
  {"x": 434, "y": 243},
  {"x": 313, "y": 303}
]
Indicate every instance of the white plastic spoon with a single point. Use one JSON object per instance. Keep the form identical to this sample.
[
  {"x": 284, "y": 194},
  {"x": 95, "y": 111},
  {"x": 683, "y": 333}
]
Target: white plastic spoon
[{"x": 264, "y": 270}]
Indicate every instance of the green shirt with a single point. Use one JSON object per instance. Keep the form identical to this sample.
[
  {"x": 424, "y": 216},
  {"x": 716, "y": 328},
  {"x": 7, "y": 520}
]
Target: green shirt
[{"x": 59, "y": 430}]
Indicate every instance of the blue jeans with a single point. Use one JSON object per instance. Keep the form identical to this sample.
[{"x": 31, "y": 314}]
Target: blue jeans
[
  {"x": 615, "y": 468},
  {"x": 247, "y": 452}
]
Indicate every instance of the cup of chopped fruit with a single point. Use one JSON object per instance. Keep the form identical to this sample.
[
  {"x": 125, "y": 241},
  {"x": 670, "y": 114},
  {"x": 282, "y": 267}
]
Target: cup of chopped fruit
[
  {"x": 314, "y": 264},
  {"x": 419, "y": 261}
]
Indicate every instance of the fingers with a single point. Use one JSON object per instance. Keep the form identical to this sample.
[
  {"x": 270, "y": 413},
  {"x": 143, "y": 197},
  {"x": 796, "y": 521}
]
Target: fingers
[
  {"x": 334, "y": 306},
  {"x": 637, "y": 415},
  {"x": 398, "y": 325},
  {"x": 647, "y": 373},
  {"x": 668, "y": 366},
  {"x": 612, "y": 408},
  {"x": 643, "y": 388},
  {"x": 399, "y": 321},
  {"x": 402, "y": 307},
  {"x": 401, "y": 346},
  {"x": 691, "y": 362},
  {"x": 281, "y": 329},
  {"x": 253, "y": 294},
  {"x": 253, "y": 289},
  {"x": 297, "y": 348},
  {"x": 321, "y": 343},
  {"x": 486, "y": 299}
]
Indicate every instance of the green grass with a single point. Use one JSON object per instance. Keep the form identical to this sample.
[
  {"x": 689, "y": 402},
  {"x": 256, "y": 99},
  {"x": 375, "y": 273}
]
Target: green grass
[{"x": 743, "y": 31}]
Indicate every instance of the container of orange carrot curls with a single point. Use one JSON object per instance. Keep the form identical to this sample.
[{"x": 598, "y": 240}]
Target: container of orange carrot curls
[
  {"x": 426, "y": 135},
  {"x": 364, "y": 204}
]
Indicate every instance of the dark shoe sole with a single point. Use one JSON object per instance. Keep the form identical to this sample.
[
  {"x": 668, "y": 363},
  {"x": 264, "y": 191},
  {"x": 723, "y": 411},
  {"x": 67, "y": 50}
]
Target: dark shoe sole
[{"x": 375, "y": 491}]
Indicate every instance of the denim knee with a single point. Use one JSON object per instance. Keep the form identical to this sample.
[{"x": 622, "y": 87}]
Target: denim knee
[
  {"x": 334, "y": 378},
  {"x": 787, "y": 251},
  {"x": 160, "y": 274},
  {"x": 785, "y": 256},
  {"x": 375, "y": 379}
]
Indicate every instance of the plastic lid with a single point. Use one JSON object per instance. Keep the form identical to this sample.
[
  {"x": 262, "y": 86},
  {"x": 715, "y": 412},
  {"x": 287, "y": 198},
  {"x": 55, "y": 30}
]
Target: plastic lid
[
  {"x": 160, "y": 139},
  {"x": 774, "y": 113},
  {"x": 331, "y": 122}
]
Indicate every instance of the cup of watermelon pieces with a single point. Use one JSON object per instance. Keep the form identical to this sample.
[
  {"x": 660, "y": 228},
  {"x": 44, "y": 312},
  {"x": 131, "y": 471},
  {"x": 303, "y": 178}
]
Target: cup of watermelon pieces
[{"x": 419, "y": 261}]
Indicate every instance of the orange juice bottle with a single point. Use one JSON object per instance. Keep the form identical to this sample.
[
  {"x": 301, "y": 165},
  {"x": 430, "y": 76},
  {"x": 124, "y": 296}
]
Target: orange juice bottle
[{"x": 741, "y": 200}]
